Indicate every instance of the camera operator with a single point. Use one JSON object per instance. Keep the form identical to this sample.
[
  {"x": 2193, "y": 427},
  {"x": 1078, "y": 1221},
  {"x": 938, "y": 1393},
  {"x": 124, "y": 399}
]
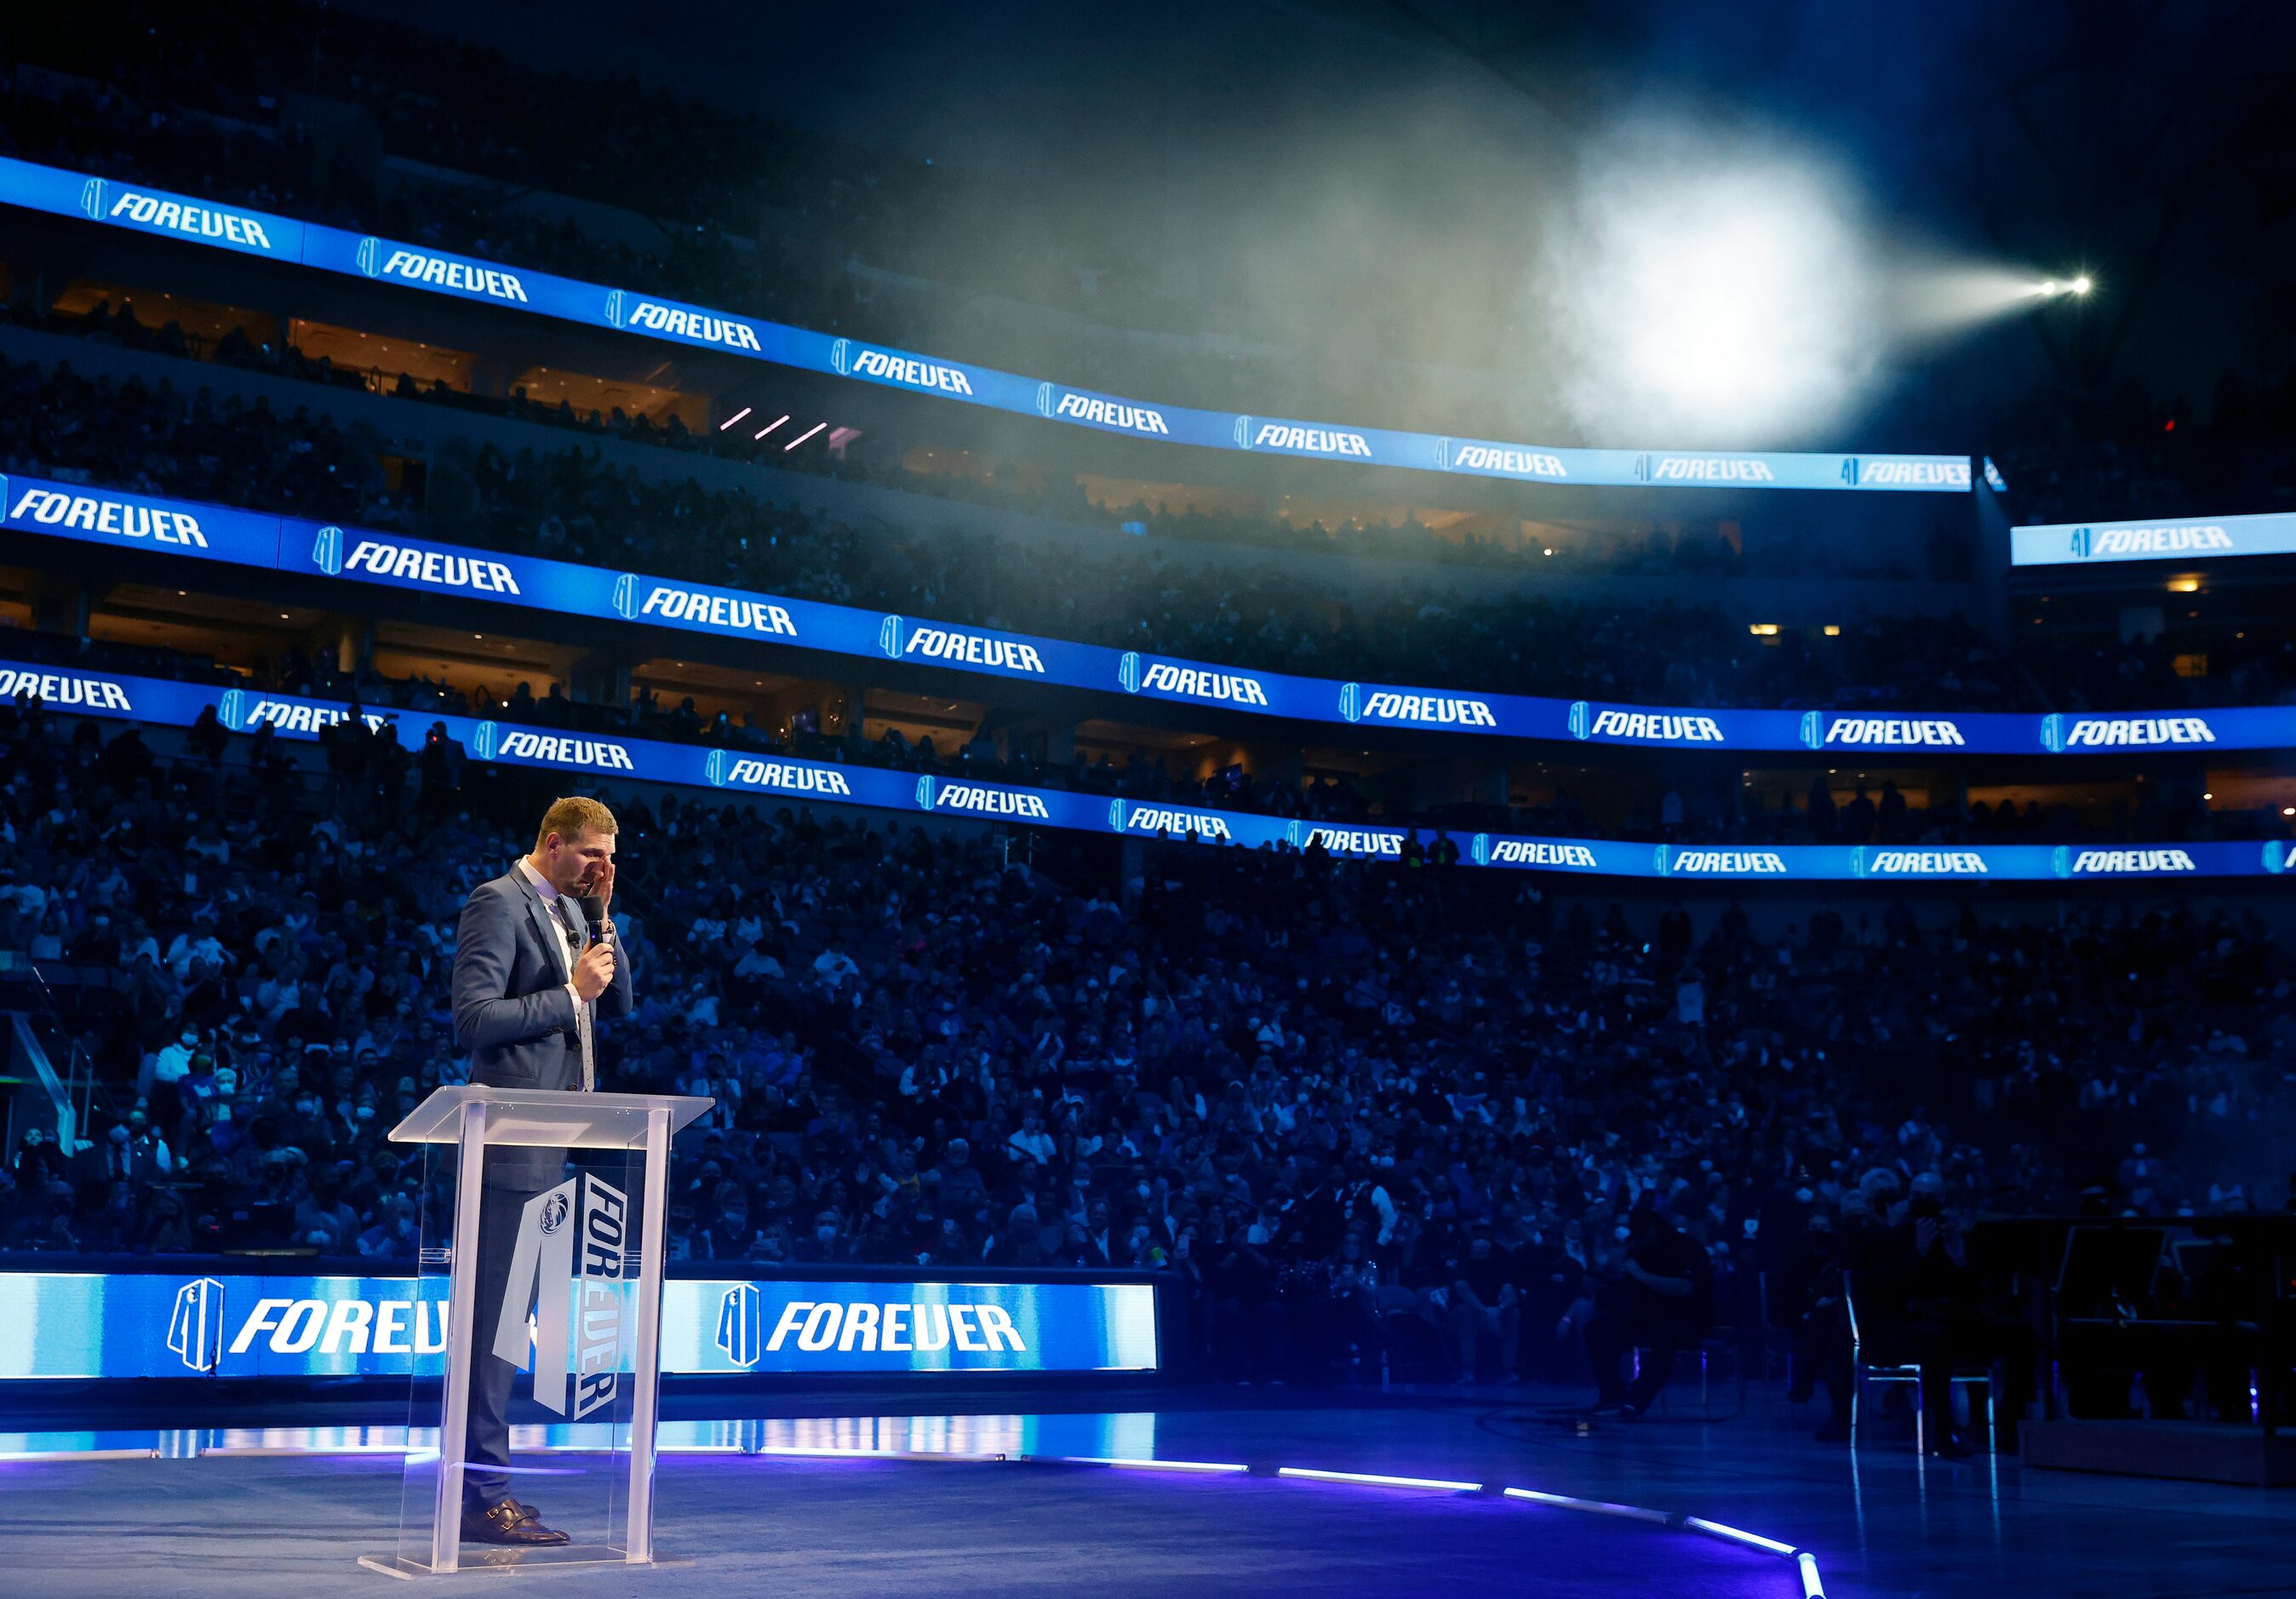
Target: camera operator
[
  {"x": 1484, "y": 1311},
  {"x": 1660, "y": 1299},
  {"x": 1246, "y": 1274},
  {"x": 1810, "y": 1293}
]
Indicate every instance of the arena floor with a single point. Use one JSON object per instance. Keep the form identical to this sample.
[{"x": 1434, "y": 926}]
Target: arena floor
[{"x": 243, "y": 1519}]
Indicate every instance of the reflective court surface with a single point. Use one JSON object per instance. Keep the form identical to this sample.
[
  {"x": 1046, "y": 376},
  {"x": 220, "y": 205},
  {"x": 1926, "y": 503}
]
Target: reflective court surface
[{"x": 1006, "y": 1503}]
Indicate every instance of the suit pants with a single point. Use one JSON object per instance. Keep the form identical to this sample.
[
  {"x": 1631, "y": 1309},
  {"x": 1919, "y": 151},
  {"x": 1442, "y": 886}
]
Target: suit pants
[{"x": 486, "y": 1449}]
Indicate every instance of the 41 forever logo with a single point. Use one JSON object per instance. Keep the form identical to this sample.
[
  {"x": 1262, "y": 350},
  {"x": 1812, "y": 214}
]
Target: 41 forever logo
[
  {"x": 244, "y": 710},
  {"x": 201, "y": 1336},
  {"x": 865, "y": 1326},
  {"x": 196, "y": 1328}
]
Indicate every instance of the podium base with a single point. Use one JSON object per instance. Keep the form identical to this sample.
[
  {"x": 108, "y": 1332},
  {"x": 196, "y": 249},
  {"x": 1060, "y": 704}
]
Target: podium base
[{"x": 480, "y": 1559}]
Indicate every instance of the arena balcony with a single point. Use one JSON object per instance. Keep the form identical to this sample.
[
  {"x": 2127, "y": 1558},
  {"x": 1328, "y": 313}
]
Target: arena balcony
[
  {"x": 1348, "y": 615},
  {"x": 292, "y": 678},
  {"x": 825, "y": 250}
]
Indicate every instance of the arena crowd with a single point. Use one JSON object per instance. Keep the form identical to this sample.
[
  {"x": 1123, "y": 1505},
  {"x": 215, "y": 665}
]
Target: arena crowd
[{"x": 1301, "y": 1083}]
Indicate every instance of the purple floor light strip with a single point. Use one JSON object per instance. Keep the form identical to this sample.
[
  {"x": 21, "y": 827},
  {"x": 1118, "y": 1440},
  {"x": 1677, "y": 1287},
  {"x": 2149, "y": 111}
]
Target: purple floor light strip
[{"x": 1804, "y": 1563}]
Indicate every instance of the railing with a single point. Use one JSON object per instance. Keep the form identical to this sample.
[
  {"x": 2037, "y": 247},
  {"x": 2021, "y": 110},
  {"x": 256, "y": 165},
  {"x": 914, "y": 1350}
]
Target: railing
[{"x": 75, "y": 1069}]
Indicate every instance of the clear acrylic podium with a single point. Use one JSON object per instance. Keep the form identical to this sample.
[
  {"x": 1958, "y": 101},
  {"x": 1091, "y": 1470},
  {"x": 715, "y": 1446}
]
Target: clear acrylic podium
[{"x": 579, "y": 1309}]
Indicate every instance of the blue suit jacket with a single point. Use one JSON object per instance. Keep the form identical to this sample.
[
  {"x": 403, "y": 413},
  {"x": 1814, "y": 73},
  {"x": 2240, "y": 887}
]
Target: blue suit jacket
[{"x": 513, "y": 1011}]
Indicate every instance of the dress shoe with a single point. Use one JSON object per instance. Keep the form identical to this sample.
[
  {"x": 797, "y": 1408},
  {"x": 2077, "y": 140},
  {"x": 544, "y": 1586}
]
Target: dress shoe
[
  {"x": 507, "y": 1521},
  {"x": 473, "y": 1506}
]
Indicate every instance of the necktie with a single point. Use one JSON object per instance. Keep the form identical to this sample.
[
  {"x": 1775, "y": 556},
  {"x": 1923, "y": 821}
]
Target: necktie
[{"x": 581, "y": 1011}]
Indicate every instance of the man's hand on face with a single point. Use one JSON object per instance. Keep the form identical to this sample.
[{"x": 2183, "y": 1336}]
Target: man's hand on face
[
  {"x": 593, "y": 970},
  {"x": 600, "y": 882}
]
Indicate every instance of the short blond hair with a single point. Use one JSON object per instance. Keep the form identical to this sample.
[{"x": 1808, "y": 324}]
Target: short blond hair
[{"x": 573, "y": 816}]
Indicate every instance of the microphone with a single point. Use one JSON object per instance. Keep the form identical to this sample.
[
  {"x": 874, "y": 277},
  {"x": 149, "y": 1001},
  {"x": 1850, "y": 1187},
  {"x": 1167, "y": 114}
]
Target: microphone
[{"x": 594, "y": 913}]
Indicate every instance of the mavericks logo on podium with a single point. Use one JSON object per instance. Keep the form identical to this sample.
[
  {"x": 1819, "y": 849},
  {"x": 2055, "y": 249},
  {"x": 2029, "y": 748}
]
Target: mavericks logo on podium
[{"x": 590, "y": 1351}]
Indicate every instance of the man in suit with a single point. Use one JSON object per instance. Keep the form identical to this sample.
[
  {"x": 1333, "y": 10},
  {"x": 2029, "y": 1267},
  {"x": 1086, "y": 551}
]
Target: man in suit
[{"x": 529, "y": 986}]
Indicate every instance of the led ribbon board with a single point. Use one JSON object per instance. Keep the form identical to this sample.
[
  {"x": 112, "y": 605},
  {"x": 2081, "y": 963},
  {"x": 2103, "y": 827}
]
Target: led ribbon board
[
  {"x": 197, "y": 531},
  {"x": 115, "y": 204},
  {"x": 78, "y": 1325},
  {"x": 2169, "y": 538},
  {"x": 168, "y": 703}
]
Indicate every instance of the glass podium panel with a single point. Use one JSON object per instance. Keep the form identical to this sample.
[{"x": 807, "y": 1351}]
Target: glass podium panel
[{"x": 536, "y": 1328}]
